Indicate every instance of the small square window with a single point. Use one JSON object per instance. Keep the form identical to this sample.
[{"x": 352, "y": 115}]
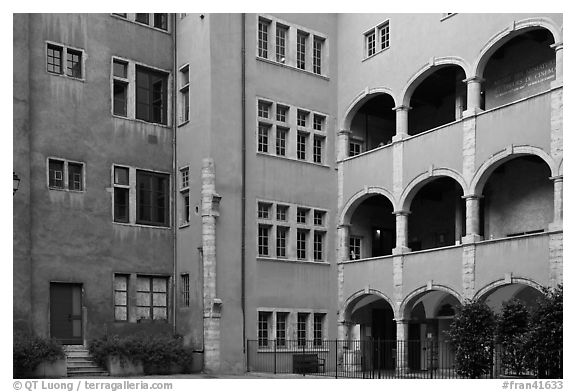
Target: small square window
[
  {"x": 120, "y": 69},
  {"x": 264, "y": 210},
  {"x": 302, "y": 118},
  {"x": 121, "y": 175},
  {"x": 161, "y": 21},
  {"x": 281, "y": 213},
  {"x": 319, "y": 218},
  {"x": 281, "y": 113},
  {"x": 318, "y": 122},
  {"x": 355, "y": 148},
  {"x": 143, "y": 18},
  {"x": 56, "y": 174},
  {"x": 264, "y": 109},
  {"x": 301, "y": 215},
  {"x": 54, "y": 59}
]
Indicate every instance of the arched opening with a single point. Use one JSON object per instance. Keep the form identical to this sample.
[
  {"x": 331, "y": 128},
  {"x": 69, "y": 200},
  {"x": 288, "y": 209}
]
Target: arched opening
[
  {"x": 439, "y": 99},
  {"x": 372, "y": 228},
  {"x": 437, "y": 215},
  {"x": 372, "y": 334},
  {"x": 373, "y": 125},
  {"x": 518, "y": 199},
  {"x": 522, "y": 66},
  {"x": 429, "y": 316},
  {"x": 497, "y": 297}
]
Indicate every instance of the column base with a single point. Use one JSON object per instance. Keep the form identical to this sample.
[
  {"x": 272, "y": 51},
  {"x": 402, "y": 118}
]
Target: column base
[
  {"x": 471, "y": 112},
  {"x": 401, "y": 250},
  {"x": 471, "y": 238},
  {"x": 398, "y": 137}
]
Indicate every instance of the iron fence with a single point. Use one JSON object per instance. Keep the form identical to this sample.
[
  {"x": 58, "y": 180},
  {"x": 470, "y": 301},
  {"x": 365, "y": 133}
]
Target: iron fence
[{"x": 370, "y": 358}]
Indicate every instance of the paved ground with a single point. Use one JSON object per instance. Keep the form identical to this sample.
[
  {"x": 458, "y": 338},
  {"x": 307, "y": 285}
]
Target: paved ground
[{"x": 250, "y": 375}]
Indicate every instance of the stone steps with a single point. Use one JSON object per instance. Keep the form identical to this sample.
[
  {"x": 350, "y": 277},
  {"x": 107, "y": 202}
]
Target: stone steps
[{"x": 79, "y": 363}]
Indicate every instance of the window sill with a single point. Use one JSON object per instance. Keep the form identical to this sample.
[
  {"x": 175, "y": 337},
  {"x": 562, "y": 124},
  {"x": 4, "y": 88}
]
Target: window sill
[
  {"x": 184, "y": 225},
  {"x": 141, "y": 225},
  {"x": 266, "y": 154},
  {"x": 375, "y": 54},
  {"x": 66, "y": 76},
  {"x": 287, "y": 260},
  {"x": 141, "y": 121},
  {"x": 265, "y": 60},
  {"x": 66, "y": 190},
  {"x": 183, "y": 123}
]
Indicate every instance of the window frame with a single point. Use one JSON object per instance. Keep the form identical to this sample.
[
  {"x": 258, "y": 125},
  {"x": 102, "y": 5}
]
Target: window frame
[
  {"x": 151, "y": 291},
  {"x": 148, "y": 87},
  {"x": 301, "y": 49},
  {"x": 354, "y": 243},
  {"x": 317, "y": 54},
  {"x": 264, "y": 240},
  {"x": 64, "y": 51},
  {"x": 373, "y": 39},
  {"x": 154, "y": 177},
  {"x": 65, "y": 175},
  {"x": 185, "y": 289},
  {"x": 263, "y": 42},
  {"x": 184, "y": 92},
  {"x": 126, "y": 292}
]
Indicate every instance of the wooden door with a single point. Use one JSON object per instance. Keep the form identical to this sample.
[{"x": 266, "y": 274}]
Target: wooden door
[{"x": 66, "y": 313}]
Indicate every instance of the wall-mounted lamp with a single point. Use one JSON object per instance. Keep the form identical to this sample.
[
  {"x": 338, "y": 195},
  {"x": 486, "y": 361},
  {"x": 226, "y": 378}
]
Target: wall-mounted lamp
[{"x": 15, "y": 183}]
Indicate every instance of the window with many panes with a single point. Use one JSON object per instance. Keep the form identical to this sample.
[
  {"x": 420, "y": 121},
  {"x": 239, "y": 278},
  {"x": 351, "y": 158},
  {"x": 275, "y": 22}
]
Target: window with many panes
[
  {"x": 151, "y": 95},
  {"x": 185, "y": 287},
  {"x": 355, "y": 244},
  {"x": 121, "y": 194},
  {"x": 264, "y": 210},
  {"x": 318, "y": 328},
  {"x": 318, "y": 123},
  {"x": 120, "y": 297},
  {"x": 317, "y": 55},
  {"x": 301, "y": 145},
  {"x": 301, "y": 327},
  {"x": 301, "y": 244},
  {"x": 301, "y": 42},
  {"x": 377, "y": 39},
  {"x": 319, "y": 218},
  {"x": 384, "y": 33},
  {"x": 62, "y": 60},
  {"x": 318, "y": 245},
  {"x": 281, "y": 212},
  {"x": 281, "y": 39},
  {"x": 151, "y": 298},
  {"x": 263, "y": 240},
  {"x": 65, "y": 175},
  {"x": 355, "y": 148},
  {"x": 281, "y": 328},
  {"x": 301, "y": 215},
  {"x": 370, "y": 39},
  {"x": 281, "y": 113},
  {"x": 263, "y": 28},
  {"x": 120, "y": 88},
  {"x": 152, "y": 198},
  {"x": 281, "y": 240},
  {"x": 185, "y": 93},
  {"x": 263, "y": 131},
  {"x": 185, "y": 195},
  {"x": 317, "y": 149},
  {"x": 301, "y": 118},
  {"x": 263, "y": 328},
  {"x": 281, "y": 137},
  {"x": 264, "y": 109}
]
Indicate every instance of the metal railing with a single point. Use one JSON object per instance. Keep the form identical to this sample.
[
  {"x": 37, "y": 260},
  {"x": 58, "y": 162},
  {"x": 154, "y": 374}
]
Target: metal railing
[{"x": 369, "y": 358}]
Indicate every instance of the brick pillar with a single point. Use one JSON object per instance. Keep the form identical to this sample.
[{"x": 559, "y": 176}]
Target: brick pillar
[
  {"x": 401, "y": 344},
  {"x": 472, "y": 219},
  {"x": 474, "y": 96},
  {"x": 343, "y": 144},
  {"x": 212, "y": 304},
  {"x": 401, "y": 122},
  {"x": 401, "y": 232}
]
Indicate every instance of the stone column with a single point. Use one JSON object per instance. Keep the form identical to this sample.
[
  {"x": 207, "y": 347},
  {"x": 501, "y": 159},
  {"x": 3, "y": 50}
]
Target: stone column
[
  {"x": 555, "y": 244},
  {"x": 401, "y": 122},
  {"x": 474, "y": 96},
  {"x": 212, "y": 304},
  {"x": 472, "y": 219},
  {"x": 559, "y": 48},
  {"x": 343, "y": 144},
  {"x": 401, "y": 232},
  {"x": 401, "y": 344},
  {"x": 558, "y": 202}
]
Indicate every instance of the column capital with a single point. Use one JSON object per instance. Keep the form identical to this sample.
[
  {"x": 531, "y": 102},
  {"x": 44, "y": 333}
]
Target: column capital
[
  {"x": 559, "y": 178},
  {"x": 557, "y": 46},
  {"x": 344, "y": 226},
  {"x": 472, "y": 197},
  {"x": 402, "y": 212},
  {"x": 473, "y": 79},
  {"x": 344, "y": 132},
  {"x": 401, "y": 108}
]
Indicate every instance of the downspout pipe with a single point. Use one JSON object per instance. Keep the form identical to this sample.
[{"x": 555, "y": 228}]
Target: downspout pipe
[
  {"x": 175, "y": 176},
  {"x": 243, "y": 179}
]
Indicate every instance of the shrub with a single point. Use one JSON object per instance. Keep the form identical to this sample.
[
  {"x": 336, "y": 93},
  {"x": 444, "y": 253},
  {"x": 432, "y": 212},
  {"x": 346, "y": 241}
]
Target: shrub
[
  {"x": 471, "y": 335},
  {"x": 511, "y": 328},
  {"x": 29, "y": 351},
  {"x": 157, "y": 353}
]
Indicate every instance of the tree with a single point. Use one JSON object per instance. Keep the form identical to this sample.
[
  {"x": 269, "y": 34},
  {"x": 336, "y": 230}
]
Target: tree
[
  {"x": 544, "y": 336},
  {"x": 471, "y": 335},
  {"x": 511, "y": 328}
]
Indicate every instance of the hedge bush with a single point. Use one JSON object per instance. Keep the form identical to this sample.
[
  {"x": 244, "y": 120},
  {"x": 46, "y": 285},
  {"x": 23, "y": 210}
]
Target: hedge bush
[
  {"x": 29, "y": 351},
  {"x": 157, "y": 353}
]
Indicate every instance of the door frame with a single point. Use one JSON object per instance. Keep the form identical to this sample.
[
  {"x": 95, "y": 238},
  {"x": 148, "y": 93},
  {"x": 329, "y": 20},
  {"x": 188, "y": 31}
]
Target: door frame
[{"x": 82, "y": 319}]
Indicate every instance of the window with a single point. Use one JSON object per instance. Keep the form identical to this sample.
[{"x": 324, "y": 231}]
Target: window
[
  {"x": 384, "y": 33},
  {"x": 318, "y": 123},
  {"x": 151, "y": 298},
  {"x": 281, "y": 136},
  {"x": 318, "y": 328},
  {"x": 318, "y": 246},
  {"x": 301, "y": 145},
  {"x": 301, "y": 119},
  {"x": 355, "y": 248},
  {"x": 263, "y": 328},
  {"x": 301, "y": 240},
  {"x": 263, "y": 240},
  {"x": 143, "y": 18},
  {"x": 264, "y": 210},
  {"x": 152, "y": 198},
  {"x": 319, "y": 218},
  {"x": 317, "y": 56},
  {"x": 185, "y": 195},
  {"x": 185, "y": 281},
  {"x": 355, "y": 148},
  {"x": 185, "y": 93},
  {"x": 65, "y": 175},
  {"x": 161, "y": 21},
  {"x": 263, "y": 27},
  {"x": 281, "y": 240},
  {"x": 263, "y": 130},
  {"x": 281, "y": 213},
  {"x": 301, "y": 39},
  {"x": 121, "y": 194},
  {"x": 264, "y": 109},
  {"x": 317, "y": 149},
  {"x": 120, "y": 75},
  {"x": 281, "y": 328},
  {"x": 120, "y": 297},
  {"x": 184, "y": 173},
  {"x": 151, "y": 95},
  {"x": 301, "y": 326},
  {"x": 301, "y": 215},
  {"x": 55, "y": 55},
  {"x": 281, "y": 34},
  {"x": 370, "y": 43},
  {"x": 281, "y": 113}
]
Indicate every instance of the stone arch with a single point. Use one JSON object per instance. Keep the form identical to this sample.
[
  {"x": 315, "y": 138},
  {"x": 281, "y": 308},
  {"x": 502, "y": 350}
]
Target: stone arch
[
  {"x": 401, "y": 314},
  {"x": 358, "y": 295},
  {"x": 490, "y": 287},
  {"x": 362, "y": 98},
  {"x": 561, "y": 167},
  {"x": 359, "y": 197},
  {"x": 485, "y": 170},
  {"x": 417, "y": 183},
  {"x": 503, "y": 36},
  {"x": 428, "y": 69}
]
